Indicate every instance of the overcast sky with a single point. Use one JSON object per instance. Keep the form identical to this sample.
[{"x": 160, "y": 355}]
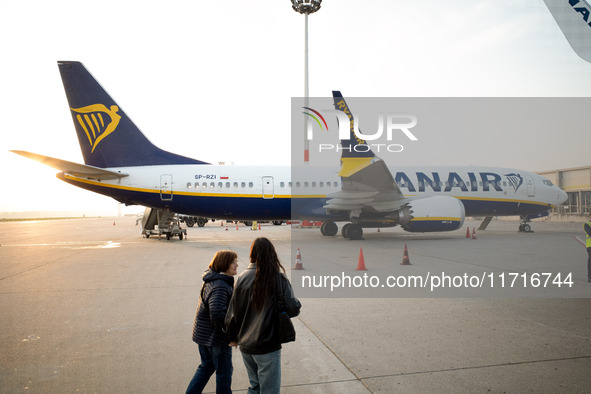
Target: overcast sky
[{"x": 213, "y": 80}]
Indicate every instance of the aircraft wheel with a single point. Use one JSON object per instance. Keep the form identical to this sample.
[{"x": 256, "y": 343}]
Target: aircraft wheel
[
  {"x": 345, "y": 230},
  {"x": 329, "y": 229},
  {"x": 180, "y": 236},
  {"x": 201, "y": 222},
  {"x": 355, "y": 232},
  {"x": 190, "y": 223},
  {"x": 527, "y": 228}
]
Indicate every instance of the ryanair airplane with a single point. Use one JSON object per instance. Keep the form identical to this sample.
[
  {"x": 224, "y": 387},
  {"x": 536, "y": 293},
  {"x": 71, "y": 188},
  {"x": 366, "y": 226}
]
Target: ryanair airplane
[{"x": 120, "y": 162}]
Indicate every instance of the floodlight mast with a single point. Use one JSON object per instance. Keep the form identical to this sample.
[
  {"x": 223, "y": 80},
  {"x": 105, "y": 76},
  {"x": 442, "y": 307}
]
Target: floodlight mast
[{"x": 306, "y": 7}]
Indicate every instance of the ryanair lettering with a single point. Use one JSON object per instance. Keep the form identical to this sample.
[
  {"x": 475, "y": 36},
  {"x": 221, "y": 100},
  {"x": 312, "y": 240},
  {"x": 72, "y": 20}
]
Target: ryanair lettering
[
  {"x": 581, "y": 8},
  {"x": 482, "y": 181}
]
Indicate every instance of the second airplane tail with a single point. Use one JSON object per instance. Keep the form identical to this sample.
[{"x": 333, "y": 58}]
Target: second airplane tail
[{"x": 107, "y": 137}]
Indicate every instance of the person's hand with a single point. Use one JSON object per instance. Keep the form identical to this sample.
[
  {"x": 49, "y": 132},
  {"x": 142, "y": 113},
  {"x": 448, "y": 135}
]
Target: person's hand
[{"x": 233, "y": 344}]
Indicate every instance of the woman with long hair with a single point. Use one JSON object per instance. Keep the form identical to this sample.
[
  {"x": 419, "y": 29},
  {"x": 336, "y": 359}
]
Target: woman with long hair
[
  {"x": 252, "y": 318},
  {"x": 208, "y": 330}
]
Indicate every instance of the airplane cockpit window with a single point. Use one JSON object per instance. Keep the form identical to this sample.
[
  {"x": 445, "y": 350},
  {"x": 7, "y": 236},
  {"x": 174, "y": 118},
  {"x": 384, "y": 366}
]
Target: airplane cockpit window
[{"x": 547, "y": 182}]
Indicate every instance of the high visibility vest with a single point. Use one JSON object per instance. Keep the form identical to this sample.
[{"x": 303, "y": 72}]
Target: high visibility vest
[{"x": 588, "y": 238}]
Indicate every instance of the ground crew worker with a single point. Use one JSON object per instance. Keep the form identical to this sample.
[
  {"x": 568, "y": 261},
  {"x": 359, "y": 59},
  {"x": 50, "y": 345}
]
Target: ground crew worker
[{"x": 588, "y": 245}]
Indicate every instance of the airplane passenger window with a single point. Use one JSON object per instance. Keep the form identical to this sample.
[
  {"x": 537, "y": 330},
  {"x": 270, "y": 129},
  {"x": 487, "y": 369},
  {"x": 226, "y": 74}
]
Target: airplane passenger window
[
  {"x": 228, "y": 185},
  {"x": 306, "y": 184},
  {"x": 298, "y": 184},
  {"x": 289, "y": 184},
  {"x": 196, "y": 185},
  {"x": 188, "y": 185},
  {"x": 204, "y": 185},
  {"x": 235, "y": 185},
  {"x": 313, "y": 184},
  {"x": 321, "y": 184},
  {"x": 212, "y": 185},
  {"x": 219, "y": 185},
  {"x": 282, "y": 184},
  {"x": 250, "y": 184}
]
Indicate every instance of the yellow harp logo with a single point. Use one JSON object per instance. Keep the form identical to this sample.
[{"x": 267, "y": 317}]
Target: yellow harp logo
[{"x": 97, "y": 121}]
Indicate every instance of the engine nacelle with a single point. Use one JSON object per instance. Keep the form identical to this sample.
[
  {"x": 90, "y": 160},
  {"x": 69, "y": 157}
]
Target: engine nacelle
[{"x": 438, "y": 213}]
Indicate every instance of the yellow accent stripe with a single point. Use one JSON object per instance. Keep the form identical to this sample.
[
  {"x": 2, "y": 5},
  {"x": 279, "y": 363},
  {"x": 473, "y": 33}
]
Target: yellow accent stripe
[
  {"x": 157, "y": 191},
  {"x": 432, "y": 219}
]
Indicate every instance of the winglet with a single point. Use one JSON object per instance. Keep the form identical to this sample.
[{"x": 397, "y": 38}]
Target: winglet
[{"x": 353, "y": 159}]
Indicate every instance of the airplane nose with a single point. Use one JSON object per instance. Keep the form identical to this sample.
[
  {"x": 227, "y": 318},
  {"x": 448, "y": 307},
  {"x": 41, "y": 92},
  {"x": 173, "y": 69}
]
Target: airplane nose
[{"x": 562, "y": 197}]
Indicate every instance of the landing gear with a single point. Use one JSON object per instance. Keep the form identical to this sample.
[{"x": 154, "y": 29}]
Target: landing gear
[
  {"x": 352, "y": 231},
  {"x": 329, "y": 229},
  {"x": 524, "y": 227}
]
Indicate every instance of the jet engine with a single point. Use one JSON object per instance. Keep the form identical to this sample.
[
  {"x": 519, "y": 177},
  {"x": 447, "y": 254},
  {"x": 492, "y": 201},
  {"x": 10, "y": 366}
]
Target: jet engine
[{"x": 438, "y": 213}]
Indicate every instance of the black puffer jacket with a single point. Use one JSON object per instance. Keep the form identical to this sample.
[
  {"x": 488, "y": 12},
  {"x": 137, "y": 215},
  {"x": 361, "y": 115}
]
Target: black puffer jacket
[
  {"x": 213, "y": 303},
  {"x": 257, "y": 331}
]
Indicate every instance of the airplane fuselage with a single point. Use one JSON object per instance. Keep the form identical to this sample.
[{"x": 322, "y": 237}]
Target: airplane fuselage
[{"x": 267, "y": 193}]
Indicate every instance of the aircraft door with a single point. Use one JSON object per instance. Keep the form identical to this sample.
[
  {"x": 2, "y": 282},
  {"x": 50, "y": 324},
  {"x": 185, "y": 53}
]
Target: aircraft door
[
  {"x": 166, "y": 187},
  {"x": 531, "y": 187},
  {"x": 268, "y": 187}
]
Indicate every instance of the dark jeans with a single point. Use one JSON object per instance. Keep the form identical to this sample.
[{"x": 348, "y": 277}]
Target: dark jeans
[{"x": 216, "y": 359}]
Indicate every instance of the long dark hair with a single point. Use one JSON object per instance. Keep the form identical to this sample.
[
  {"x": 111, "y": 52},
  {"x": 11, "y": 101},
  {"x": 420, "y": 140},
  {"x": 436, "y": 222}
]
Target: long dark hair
[{"x": 262, "y": 253}]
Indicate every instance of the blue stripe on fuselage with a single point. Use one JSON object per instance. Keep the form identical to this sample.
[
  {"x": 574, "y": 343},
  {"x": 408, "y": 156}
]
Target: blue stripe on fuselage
[{"x": 243, "y": 208}]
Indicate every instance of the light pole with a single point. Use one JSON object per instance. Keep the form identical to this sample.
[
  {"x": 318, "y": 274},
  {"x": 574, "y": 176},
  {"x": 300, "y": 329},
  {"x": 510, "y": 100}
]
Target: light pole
[{"x": 306, "y": 7}]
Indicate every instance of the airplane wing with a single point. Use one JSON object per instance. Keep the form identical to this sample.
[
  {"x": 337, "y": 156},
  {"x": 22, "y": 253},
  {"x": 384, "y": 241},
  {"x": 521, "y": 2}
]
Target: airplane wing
[
  {"x": 367, "y": 184},
  {"x": 79, "y": 170}
]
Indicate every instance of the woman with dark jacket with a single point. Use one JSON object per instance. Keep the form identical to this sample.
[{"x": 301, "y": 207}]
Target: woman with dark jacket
[
  {"x": 252, "y": 319},
  {"x": 208, "y": 330}
]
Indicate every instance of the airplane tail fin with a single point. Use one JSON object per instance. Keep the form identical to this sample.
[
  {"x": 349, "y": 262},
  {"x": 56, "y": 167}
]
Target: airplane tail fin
[
  {"x": 574, "y": 19},
  {"x": 356, "y": 153},
  {"x": 107, "y": 137}
]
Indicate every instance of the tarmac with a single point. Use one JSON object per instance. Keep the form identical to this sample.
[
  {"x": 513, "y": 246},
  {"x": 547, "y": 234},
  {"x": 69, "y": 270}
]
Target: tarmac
[{"x": 90, "y": 306}]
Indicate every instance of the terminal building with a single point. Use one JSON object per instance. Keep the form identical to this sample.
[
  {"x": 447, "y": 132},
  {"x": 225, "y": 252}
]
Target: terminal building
[{"x": 576, "y": 182}]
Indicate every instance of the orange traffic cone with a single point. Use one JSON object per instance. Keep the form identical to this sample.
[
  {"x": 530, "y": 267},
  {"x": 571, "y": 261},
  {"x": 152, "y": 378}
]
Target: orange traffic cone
[
  {"x": 467, "y": 232},
  {"x": 226, "y": 226},
  {"x": 236, "y": 225},
  {"x": 473, "y": 232},
  {"x": 259, "y": 226},
  {"x": 405, "y": 259},
  {"x": 361, "y": 262},
  {"x": 298, "y": 264}
]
